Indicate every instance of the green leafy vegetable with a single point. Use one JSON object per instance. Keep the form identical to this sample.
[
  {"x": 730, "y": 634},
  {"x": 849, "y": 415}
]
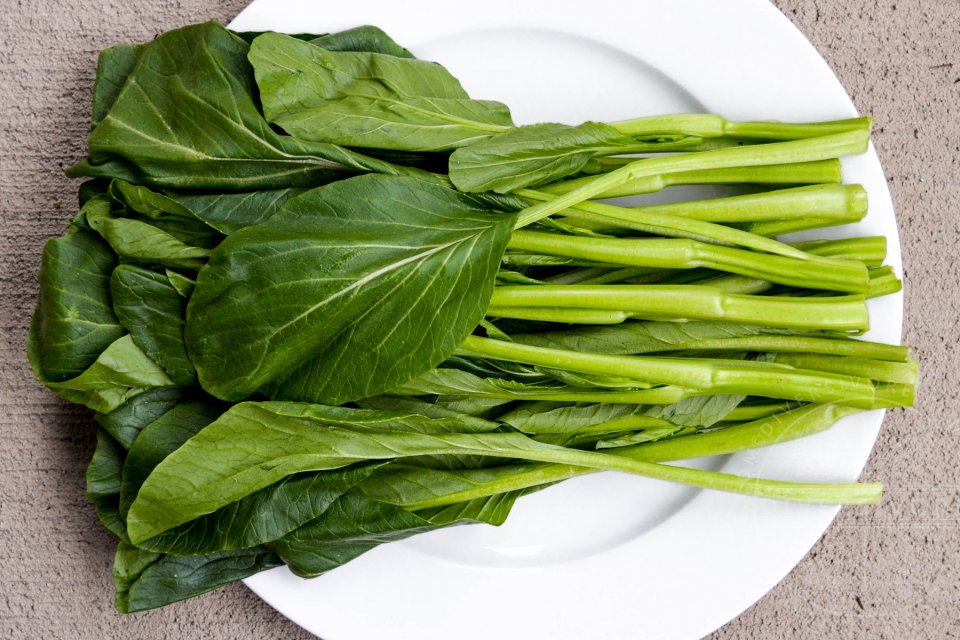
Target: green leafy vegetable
[
  {"x": 398, "y": 265},
  {"x": 186, "y": 117},
  {"x": 534, "y": 154},
  {"x": 297, "y": 351},
  {"x": 364, "y": 99},
  {"x": 153, "y": 311},
  {"x": 74, "y": 321}
]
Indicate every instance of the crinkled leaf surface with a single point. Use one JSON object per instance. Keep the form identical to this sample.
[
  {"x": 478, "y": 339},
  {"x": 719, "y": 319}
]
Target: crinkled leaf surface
[
  {"x": 349, "y": 290},
  {"x": 147, "y": 580},
  {"x": 186, "y": 117},
  {"x": 74, "y": 321},
  {"x": 531, "y": 155},
  {"x": 143, "y": 243},
  {"x": 127, "y": 421},
  {"x": 229, "y": 212},
  {"x": 251, "y": 447},
  {"x": 159, "y": 439},
  {"x": 364, "y": 38},
  {"x": 365, "y": 99},
  {"x": 154, "y": 313},
  {"x": 119, "y": 373},
  {"x": 262, "y": 516}
]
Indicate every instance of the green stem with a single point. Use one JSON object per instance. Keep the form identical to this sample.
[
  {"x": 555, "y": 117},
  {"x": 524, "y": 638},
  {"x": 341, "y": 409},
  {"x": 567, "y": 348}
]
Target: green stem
[
  {"x": 772, "y": 228},
  {"x": 806, "y": 173},
  {"x": 679, "y": 253},
  {"x": 872, "y": 352},
  {"x": 707, "y": 375},
  {"x": 561, "y": 315},
  {"x": 869, "y": 250},
  {"x": 691, "y": 302},
  {"x": 676, "y": 227},
  {"x": 709, "y": 125},
  {"x": 764, "y": 432},
  {"x": 842, "y": 202},
  {"x": 821, "y": 148},
  {"x": 883, "y": 281},
  {"x": 851, "y": 365},
  {"x": 749, "y": 413},
  {"x": 632, "y": 274}
]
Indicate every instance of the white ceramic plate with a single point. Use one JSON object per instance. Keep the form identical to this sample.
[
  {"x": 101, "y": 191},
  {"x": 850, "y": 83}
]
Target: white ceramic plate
[{"x": 604, "y": 556}]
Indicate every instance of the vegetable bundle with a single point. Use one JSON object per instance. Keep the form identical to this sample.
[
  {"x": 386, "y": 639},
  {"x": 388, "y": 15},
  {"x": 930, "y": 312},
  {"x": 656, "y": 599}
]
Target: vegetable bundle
[{"x": 321, "y": 299}]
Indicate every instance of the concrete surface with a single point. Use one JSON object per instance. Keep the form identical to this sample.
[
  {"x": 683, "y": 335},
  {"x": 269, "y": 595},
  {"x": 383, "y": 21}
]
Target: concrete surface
[{"x": 888, "y": 572}]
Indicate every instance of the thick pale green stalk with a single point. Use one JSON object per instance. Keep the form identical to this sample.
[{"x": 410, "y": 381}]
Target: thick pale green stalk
[
  {"x": 821, "y": 148},
  {"x": 870, "y": 250},
  {"x": 676, "y": 227},
  {"x": 851, "y": 365},
  {"x": 745, "y": 413},
  {"x": 710, "y": 125},
  {"x": 840, "y": 203},
  {"x": 668, "y": 394},
  {"x": 631, "y": 275},
  {"x": 707, "y": 375},
  {"x": 806, "y": 173},
  {"x": 565, "y": 315},
  {"x": 873, "y": 352},
  {"x": 769, "y": 430},
  {"x": 883, "y": 281},
  {"x": 680, "y": 253},
  {"x": 692, "y": 302},
  {"x": 771, "y": 228}
]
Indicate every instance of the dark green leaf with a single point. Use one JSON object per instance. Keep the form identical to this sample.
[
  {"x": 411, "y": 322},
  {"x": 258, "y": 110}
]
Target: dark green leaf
[
  {"x": 492, "y": 509},
  {"x": 147, "y": 580},
  {"x": 365, "y": 38},
  {"x": 103, "y": 481},
  {"x": 532, "y": 155},
  {"x": 186, "y": 118},
  {"x": 113, "y": 67},
  {"x": 121, "y": 372},
  {"x": 158, "y": 440},
  {"x": 127, "y": 421},
  {"x": 363, "y": 99},
  {"x": 359, "y": 286},
  {"x": 407, "y": 486},
  {"x": 181, "y": 283},
  {"x": 106, "y": 465},
  {"x": 141, "y": 242},
  {"x": 152, "y": 310},
  {"x": 229, "y": 212},
  {"x": 74, "y": 320},
  {"x": 166, "y": 214},
  {"x": 217, "y": 466},
  {"x": 349, "y": 528},
  {"x": 354, "y": 524},
  {"x": 262, "y": 516}
]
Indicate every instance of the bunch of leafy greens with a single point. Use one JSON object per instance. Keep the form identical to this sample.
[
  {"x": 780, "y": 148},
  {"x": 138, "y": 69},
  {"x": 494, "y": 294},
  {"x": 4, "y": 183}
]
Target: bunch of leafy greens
[{"x": 321, "y": 299}]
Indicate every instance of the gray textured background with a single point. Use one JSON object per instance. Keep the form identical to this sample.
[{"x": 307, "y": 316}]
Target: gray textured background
[{"x": 890, "y": 571}]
